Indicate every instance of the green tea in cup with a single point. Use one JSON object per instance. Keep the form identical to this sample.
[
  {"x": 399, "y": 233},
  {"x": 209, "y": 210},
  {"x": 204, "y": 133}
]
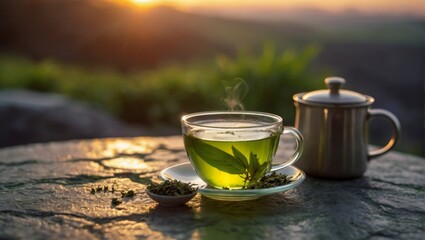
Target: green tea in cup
[{"x": 233, "y": 150}]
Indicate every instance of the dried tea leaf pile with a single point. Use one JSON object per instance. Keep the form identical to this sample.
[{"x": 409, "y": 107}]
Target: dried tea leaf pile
[{"x": 172, "y": 188}]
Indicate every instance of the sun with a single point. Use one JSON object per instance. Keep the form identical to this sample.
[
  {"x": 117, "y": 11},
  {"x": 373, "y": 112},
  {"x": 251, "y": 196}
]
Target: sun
[
  {"x": 141, "y": 1},
  {"x": 137, "y": 4},
  {"x": 141, "y": 4}
]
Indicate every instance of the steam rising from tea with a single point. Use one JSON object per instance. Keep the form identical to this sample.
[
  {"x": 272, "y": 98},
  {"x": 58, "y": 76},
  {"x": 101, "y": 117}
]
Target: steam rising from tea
[{"x": 235, "y": 90}]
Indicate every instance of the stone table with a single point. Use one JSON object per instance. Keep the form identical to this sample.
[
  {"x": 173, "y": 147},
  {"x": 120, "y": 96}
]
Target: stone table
[{"x": 45, "y": 193}]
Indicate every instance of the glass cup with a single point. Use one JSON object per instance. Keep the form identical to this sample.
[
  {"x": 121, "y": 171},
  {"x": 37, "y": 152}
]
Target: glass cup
[{"x": 234, "y": 149}]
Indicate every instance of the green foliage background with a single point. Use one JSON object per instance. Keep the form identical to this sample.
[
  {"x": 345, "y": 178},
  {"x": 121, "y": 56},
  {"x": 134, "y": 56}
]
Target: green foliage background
[{"x": 161, "y": 96}]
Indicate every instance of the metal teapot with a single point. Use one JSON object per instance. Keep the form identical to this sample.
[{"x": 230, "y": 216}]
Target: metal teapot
[{"x": 334, "y": 124}]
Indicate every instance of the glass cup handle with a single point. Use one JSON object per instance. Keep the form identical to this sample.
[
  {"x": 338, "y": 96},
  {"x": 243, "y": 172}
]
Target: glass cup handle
[{"x": 299, "y": 150}]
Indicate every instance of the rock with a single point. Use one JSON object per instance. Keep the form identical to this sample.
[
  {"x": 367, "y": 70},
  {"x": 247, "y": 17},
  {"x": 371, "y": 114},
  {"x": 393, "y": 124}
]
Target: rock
[{"x": 28, "y": 117}]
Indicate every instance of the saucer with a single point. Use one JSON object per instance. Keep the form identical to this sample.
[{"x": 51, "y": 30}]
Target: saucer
[{"x": 185, "y": 173}]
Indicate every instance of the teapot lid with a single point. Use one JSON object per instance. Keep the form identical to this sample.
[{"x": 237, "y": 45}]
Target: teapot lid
[{"x": 334, "y": 94}]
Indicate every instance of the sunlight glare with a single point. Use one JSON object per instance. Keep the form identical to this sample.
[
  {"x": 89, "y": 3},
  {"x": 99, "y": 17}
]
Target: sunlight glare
[
  {"x": 131, "y": 163},
  {"x": 141, "y": 2}
]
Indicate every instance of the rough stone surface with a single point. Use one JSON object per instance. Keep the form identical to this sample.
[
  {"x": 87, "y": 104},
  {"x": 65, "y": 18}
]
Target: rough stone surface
[
  {"x": 28, "y": 117},
  {"x": 45, "y": 194}
]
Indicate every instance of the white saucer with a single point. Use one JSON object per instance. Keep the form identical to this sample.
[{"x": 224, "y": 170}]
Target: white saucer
[{"x": 185, "y": 173}]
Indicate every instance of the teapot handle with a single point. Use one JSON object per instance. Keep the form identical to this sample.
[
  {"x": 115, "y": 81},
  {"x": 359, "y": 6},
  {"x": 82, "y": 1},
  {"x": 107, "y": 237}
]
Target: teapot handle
[{"x": 396, "y": 131}]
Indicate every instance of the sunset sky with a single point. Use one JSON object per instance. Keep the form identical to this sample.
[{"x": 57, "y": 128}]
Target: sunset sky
[{"x": 416, "y": 7}]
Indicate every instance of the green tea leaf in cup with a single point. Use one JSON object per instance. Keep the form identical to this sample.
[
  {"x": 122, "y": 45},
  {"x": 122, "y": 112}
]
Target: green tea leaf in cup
[
  {"x": 239, "y": 156},
  {"x": 218, "y": 158}
]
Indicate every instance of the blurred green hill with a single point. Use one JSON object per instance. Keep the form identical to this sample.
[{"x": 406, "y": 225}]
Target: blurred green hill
[{"x": 167, "y": 58}]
